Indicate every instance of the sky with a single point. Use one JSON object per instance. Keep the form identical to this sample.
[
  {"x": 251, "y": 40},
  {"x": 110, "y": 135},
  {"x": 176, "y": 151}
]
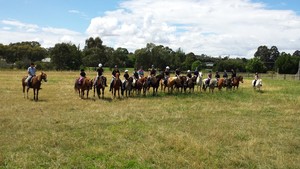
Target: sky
[{"x": 234, "y": 28}]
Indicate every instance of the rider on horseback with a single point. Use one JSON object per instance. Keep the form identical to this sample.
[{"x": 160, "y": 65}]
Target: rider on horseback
[
  {"x": 255, "y": 79},
  {"x": 189, "y": 75},
  {"x": 31, "y": 73},
  {"x": 82, "y": 76},
  {"x": 167, "y": 75},
  {"x": 135, "y": 74},
  {"x": 126, "y": 76},
  {"x": 217, "y": 76},
  {"x": 177, "y": 72},
  {"x": 99, "y": 74},
  {"x": 233, "y": 75},
  {"x": 196, "y": 72},
  {"x": 209, "y": 75},
  {"x": 114, "y": 72},
  {"x": 141, "y": 72},
  {"x": 152, "y": 74}
]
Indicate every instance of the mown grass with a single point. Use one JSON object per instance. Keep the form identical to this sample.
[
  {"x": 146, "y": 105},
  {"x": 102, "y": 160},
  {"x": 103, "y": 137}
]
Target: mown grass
[{"x": 235, "y": 129}]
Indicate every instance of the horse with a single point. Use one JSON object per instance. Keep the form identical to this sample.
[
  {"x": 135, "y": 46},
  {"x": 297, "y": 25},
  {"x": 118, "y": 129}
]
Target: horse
[
  {"x": 212, "y": 84},
  {"x": 168, "y": 84},
  {"x": 191, "y": 84},
  {"x": 139, "y": 85},
  {"x": 87, "y": 84},
  {"x": 224, "y": 83},
  {"x": 117, "y": 83},
  {"x": 236, "y": 81},
  {"x": 35, "y": 84},
  {"x": 127, "y": 86},
  {"x": 257, "y": 85},
  {"x": 199, "y": 81},
  {"x": 100, "y": 85},
  {"x": 154, "y": 83},
  {"x": 181, "y": 82}
]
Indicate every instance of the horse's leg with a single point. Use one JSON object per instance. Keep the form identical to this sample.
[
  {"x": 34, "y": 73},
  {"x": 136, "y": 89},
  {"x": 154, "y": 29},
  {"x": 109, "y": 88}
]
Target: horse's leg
[{"x": 37, "y": 94}]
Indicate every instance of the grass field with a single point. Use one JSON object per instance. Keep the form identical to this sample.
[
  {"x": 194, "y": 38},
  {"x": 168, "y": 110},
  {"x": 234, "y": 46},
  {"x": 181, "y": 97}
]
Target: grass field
[{"x": 237, "y": 129}]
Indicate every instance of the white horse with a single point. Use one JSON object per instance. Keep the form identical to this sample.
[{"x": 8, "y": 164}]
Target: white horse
[
  {"x": 199, "y": 81},
  {"x": 257, "y": 85},
  {"x": 212, "y": 84}
]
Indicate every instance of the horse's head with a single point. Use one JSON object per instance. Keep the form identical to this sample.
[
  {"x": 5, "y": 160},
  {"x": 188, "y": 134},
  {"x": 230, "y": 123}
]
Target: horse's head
[
  {"x": 241, "y": 79},
  {"x": 117, "y": 75},
  {"x": 44, "y": 76}
]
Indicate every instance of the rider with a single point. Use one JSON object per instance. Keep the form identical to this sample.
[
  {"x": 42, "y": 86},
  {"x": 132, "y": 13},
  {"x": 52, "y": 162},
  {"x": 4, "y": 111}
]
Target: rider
[
  {"x": 209, "y": 75},
  {"x": 196, "y": 72},
  {"x": 177, "y": 72},
  {"x": 135, "y": 74},
  {"x": 167, "y": 75},
  {"x": 217, "y": 76},
  {"x": 31, "y": 73},
  {"x": 114, "y": 72},
  {"x": 99, "y": 74},
  {"x": 141, "y": 72},
  {"x": 82, "y": 76},
  {"x": 126, "y": 76},
  {"x": 233, "y": 75},
  {"x": 225, "y": 76},
  {"x": 189, "y": 75},
  {"x": 152, "y": 74},
  {"x": 255, "y": 78}
]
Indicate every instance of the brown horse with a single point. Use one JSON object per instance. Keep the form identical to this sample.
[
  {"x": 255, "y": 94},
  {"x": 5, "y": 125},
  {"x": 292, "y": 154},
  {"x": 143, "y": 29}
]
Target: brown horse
[
  {"x": 168, "y": 84},
  {"x": 139, "y": 85},
  {"x": 127, "y": 87},
  {"x": 191, "y": 84},
  {"x": 181, "y": 82},
  {"x": 86, "y": 84},
  {"x": 224, "y": 83},
  {"x": 35, "y": 84},
  {"x": 100, "y": 85},
  {"x": 116, "y": 85},
  {"x": 236, "y": 81},
  {"x": 154, "y": 83}
]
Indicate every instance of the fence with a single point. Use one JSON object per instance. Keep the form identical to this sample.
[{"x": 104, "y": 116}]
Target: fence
[{"x": 273, "y": 76}]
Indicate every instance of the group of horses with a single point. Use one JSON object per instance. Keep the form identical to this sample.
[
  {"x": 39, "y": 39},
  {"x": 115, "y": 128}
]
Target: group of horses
[{"x": 144, "y": 84}]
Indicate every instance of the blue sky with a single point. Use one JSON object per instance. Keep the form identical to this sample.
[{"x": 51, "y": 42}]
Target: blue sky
[{"x": 213, "y": 27}]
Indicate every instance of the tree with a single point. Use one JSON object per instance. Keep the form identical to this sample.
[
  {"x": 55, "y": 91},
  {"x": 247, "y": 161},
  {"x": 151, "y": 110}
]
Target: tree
[
  {"x": 119, "y": 57},
  {"x": 287, "y": 64},
  {"x": 296, "y": 53},
  {"x": 267, "y": 56},
  {"x": 94, "y": 52},
  {"x": 197, "y": 64},
  {"x": 255, "y": 65},
  {"x": 65, "y": 56}
]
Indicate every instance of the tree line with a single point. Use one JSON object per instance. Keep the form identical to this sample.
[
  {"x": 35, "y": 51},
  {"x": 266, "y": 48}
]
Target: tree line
[{"x": 68, "y": 56}]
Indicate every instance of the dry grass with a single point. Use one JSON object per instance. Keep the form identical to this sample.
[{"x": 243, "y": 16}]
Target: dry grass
[{"x": 238, "y": 129}]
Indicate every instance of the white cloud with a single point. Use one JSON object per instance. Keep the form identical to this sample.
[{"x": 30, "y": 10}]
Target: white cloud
[
  {"x": 214, "y": 27},
  {"x": 46, "y": 36}
]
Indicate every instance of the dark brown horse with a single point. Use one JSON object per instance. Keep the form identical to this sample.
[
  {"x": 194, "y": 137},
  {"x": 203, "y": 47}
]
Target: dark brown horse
[
  {"x": 224, "y": 83},
  {"x": 190, "y": 84},
  {"x": 86, "y": 84},
  {"x": 154, "y": 83},
  {"x": 100, "y": 85},
  {"x": 127, "y": 87},
  {"x": 35, "y": 84},
  {"x": 236, "y": 81},
  {"x": 181, "y": 82},
  {"x": 116, "y": 85}
]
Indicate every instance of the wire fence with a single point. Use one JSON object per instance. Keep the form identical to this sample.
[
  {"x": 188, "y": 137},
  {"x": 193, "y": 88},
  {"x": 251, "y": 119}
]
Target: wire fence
[{"x": 273, "y": 76}]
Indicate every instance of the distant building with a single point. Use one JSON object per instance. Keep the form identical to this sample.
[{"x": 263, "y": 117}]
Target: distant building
[{"x": 209, "y": 66}]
